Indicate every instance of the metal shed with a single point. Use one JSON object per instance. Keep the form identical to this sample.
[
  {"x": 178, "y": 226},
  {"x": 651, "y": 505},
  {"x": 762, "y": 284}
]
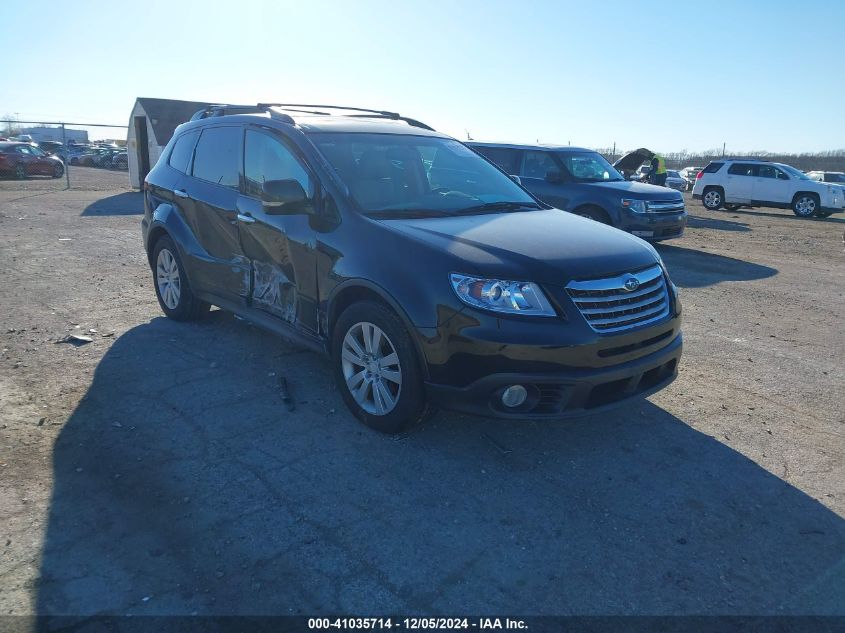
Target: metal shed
[{"x": 151, "y": 126}]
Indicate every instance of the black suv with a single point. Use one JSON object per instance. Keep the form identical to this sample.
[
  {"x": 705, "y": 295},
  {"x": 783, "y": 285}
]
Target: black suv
[
  {"x": 581, "y": 181},
  {"x": 426, "y": 273}
]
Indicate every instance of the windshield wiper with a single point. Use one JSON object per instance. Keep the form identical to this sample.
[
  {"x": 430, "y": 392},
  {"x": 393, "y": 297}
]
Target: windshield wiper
[
  {"x": 408, "y": 213},
  {"x": 502, "y": 205}
]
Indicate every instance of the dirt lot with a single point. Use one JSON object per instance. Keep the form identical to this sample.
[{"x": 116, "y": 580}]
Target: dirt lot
[{"x": 155, "y": 469}]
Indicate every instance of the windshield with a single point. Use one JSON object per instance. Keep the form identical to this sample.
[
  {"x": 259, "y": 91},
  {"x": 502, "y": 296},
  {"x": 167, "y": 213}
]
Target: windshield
[
  {"x": 800, "y": 175},
  {"x": 392, "y": 174},
  {"x": 588, "y": 167}
]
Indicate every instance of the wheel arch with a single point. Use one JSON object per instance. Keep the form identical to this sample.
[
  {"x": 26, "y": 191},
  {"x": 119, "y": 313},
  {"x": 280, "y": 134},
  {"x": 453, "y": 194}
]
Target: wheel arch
[
  {"x": 355, "y": 290},
  {"x": 597, "y": 207}
]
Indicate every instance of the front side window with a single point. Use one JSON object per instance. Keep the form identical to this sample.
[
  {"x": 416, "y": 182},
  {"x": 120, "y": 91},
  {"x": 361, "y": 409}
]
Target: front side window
[
  {"x": 400, "y": 174},
  {"x": 834, "y": 177},
  {"x": 267, "y": 158},
  {"x": 537, "y": 164},
  {"x": 767, "y": 171},
  {"x": 217, "y": 156},
  {"x": 24, "y": 149},
  {"x": 183, "y": 151},
  {"x": 588, "y": 167}
]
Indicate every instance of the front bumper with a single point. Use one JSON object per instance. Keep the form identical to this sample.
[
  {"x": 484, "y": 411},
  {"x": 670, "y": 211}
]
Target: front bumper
[
  {"x": 654, "y": 226},
  {"x": 563, "y": 394}
]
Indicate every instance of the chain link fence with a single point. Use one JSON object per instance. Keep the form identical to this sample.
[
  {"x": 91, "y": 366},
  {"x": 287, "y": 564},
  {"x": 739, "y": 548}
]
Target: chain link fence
[{"x": 49, "y": 155}]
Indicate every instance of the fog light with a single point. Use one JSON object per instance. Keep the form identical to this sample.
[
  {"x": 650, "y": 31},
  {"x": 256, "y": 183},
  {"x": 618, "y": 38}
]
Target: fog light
[{"x": 514, "y": 396}]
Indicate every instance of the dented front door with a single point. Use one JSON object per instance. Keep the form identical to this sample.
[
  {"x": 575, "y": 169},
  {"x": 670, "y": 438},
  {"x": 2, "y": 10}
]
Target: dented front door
[{"x": 280, "y": 248}]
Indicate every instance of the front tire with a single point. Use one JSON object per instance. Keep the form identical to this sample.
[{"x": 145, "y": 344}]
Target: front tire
[
  {"x": 713, "y": 198},
  {"x": 58, "y": 171},
  {"x": 377, "y": 369},
  {"x": 805, "y": 205},
  {"x": 20, "y": 171},
  {"x": 732, "y": 207},
  {"x": 171, "y": 283}
]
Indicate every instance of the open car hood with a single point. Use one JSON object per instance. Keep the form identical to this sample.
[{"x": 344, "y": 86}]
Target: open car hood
[{"x": 632, "y": 160}]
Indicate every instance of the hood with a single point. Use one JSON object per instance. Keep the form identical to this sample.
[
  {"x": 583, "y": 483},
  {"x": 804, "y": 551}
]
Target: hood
[
  {"x": 638, "y": 190},
  {"x": 546, "y": 246},
  {"x": 632, "y": 160}
]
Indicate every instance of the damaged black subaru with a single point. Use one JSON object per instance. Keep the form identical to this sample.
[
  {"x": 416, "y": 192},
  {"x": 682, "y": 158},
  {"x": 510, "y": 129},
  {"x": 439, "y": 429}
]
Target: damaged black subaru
[{"x": 428, "y": 276}]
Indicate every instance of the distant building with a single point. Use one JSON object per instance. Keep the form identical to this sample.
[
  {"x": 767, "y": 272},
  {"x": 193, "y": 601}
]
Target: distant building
[
  {"x": 151, "y": 126},
  {"x": 46, "y": 133}
]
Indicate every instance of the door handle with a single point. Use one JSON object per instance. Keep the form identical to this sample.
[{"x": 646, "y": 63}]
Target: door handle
[
  {"x": 181, "y": 193},
  {"x": 246, "y": 218}
]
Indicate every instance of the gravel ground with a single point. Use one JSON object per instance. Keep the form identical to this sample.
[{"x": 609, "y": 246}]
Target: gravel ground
[{"x": 155, "y": 470}]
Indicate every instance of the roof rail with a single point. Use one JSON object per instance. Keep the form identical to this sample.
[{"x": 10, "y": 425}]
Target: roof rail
[
  {"x": 220, "y": 109},
  {"x": 304, "y": 108}
]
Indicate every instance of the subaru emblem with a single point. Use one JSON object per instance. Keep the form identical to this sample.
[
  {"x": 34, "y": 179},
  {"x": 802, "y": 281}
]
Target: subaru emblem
[{"x": 631, "y": 284}]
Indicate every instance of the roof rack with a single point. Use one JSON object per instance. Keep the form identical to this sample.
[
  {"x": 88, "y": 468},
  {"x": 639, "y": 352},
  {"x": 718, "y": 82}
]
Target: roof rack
[{"x": 303, "y": 108}]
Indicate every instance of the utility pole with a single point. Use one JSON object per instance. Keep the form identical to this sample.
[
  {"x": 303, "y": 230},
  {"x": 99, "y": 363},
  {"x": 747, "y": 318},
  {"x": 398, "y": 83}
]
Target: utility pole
[
  {"x": 723, "y": 149},
  {"x": 67, "y": 160}
]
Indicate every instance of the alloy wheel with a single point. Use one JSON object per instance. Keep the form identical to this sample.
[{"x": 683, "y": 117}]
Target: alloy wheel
[
  {"x": 712, "y": 199},
  {"x": 371, "y": 368},
  {"x": 167, "y": 277},
  {"x": 805, "y": 206}
]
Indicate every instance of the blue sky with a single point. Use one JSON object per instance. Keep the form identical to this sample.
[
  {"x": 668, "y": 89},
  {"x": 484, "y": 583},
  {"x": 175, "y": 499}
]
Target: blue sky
[{"x": 758, "y": 75}]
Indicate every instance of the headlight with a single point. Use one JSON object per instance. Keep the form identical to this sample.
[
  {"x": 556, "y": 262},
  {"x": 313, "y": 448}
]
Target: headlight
[
  {"x": 637, "y": 206},
  {"x": 500, "y": 295}
]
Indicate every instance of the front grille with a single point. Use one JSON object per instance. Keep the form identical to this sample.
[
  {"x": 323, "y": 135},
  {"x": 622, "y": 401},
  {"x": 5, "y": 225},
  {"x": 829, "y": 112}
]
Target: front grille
[
  {"x": 608, "y": 306},
  {"x": 665, "y": 206}
]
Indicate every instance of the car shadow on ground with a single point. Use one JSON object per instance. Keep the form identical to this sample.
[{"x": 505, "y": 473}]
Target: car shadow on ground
[
  {"x": 697, "y": 222},
  {"x": 183, "y": 485},
  {"x": 128, "y": 203},
  {"x": 786, "y": 213},
  {"x": 694, "y": 268}
]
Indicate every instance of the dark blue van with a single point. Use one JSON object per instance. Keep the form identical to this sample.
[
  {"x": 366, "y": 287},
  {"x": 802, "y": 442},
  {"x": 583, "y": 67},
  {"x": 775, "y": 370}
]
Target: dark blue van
[{"x": 581, "y": 181}]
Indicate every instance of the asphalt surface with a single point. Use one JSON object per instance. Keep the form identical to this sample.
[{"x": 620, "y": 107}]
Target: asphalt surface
[{"x": 155, "y": 470}]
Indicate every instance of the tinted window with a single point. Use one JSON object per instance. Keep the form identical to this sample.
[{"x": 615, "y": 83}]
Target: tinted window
[
  {"x": 742, "y": 169},
  {"x": 537, "y": 164},
  {"x": 183, "y": 151},
  {"x": 767, "y": 171},
  {"x": 24, "y": 149},
  {"x": 266, "y": 158},
  {"x": 507, "y": 159},
  {"x": 218, "y": 155},
  {"x": 712, "y": 168}
]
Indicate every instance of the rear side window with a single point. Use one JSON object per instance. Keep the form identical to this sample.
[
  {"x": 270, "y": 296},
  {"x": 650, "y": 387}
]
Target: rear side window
[
  {"x": 712, "y": 168},
  {"x": 742, "y": 169},
  {"x": 217, "y": 156},
  {"x": 183, "y": 151},
  {"x": 506, "y": 159},
  {"x": 537, "y": 164}
]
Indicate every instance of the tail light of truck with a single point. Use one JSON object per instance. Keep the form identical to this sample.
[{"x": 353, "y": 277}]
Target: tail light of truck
[{"x": 699, "y": 174}]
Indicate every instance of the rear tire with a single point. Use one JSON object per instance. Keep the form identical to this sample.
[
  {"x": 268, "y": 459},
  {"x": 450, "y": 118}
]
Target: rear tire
[
  {"x": 805, "y": 205},
  {"x": 171, "y": 283},
  {"x": 732, "y": 207},
  {"x": 824, "y": 214},
  {"x": 58, "y": 171},
  {"x": 20, "y": 171},
  {"x": 377, "y": 368},
  {"x": 713, "y": 198}
]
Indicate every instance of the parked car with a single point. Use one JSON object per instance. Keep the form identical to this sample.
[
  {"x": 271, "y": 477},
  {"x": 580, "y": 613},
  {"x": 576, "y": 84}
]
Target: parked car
[
  {"x": 74, "y": 153},
  {"x": 25, "y": 159},
  {"x": 51, "y": 147},
  {"x": 583, "y": 182},
  {"x": 833, "y": 177},
  {"x": 674, "y": 180},
  {"x": 733, "y": 183},
  {"x": 120, "y": 160},
  {"x": 426, "y": 274},
  {"x": 690, "y": 174}
]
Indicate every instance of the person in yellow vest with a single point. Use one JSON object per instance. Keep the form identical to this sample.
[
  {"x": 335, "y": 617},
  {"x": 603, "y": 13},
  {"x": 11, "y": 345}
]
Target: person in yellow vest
[{"x": 657, "y": 175}]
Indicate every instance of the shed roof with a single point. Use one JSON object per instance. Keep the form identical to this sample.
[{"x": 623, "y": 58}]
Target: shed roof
[{"x": 166, "y": 114}]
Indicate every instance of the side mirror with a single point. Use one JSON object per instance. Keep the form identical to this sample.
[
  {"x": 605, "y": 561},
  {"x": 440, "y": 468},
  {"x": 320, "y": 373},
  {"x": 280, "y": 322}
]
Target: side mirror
[
  {"x": 516, "y": 179},
  {"x": 285, "y": 197},
  {"x": 554, "y": 176}
]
